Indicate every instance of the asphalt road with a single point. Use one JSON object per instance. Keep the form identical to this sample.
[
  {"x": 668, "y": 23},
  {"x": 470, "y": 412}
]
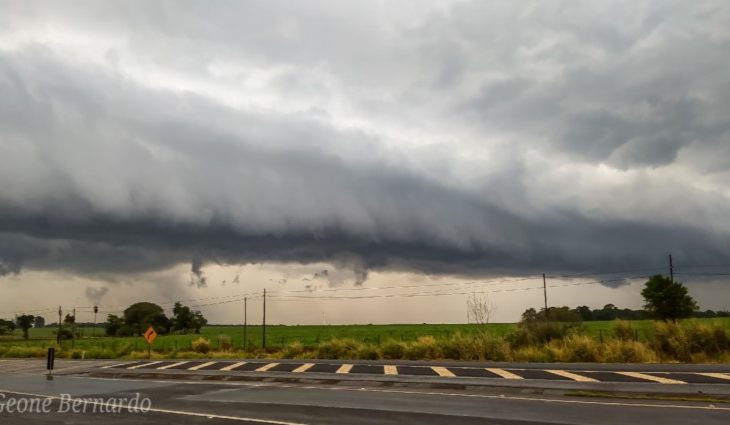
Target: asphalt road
[{"x": 213, "y": 402}]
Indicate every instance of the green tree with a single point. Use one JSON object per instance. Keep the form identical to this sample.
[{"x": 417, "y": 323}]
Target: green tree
[
  {"x": 139, "y": 316},
  {"x": 113, "y": 324},
  {"x": 185, "y": 320},
  {"x": 25, "y": 322},
  {"x": 6, "y": 327},
  {"x": 666, "y": 299}
]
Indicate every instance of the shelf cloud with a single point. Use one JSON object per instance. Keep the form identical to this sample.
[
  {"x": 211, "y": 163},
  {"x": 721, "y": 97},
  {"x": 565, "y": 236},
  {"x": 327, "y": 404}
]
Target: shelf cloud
[{"x": 463, "y": 137}]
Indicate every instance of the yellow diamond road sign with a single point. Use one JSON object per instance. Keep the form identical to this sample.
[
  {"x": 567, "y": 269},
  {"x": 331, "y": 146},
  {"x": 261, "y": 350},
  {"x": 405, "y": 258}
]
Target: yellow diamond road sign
[{"x": 150, "y": 335}]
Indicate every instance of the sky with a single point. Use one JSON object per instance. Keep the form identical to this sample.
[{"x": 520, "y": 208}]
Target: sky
[{"x": 411, "y": 151}]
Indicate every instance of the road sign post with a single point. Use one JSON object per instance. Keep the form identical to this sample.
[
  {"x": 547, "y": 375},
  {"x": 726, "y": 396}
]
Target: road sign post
[{"x": 150, "y": 336}]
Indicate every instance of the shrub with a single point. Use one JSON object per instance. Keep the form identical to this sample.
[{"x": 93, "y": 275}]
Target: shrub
[
  {"x": 622, "y": 330},
  {"x": 368, "y": 352},
  {"x": 292, "y": 350},
  {"x": 576, "y": 348},
  {"x": 393, "y": 349},
  {"x": 337, "y": 348},
  {"x": 537, "y": 332},
  {"x": 620, "y": 351},
  {"x": 494, "y": 348},
  {"x": 533, "y": 354},
  {"x": 425, "y": 347},
  {"x": 224, "y": 343},
  {"x": 201, "y": 345}
]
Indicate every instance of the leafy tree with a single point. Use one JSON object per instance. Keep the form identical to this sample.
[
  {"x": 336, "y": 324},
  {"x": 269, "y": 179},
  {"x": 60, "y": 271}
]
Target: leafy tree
[
  {"x": 40, "y": 322},
  {"x": 139, "y": 316},
  {"x": 69, "y": 319},
  {"x": 185, "y": 320},
  {"x": 667, "y": 299},
  {"x": 199, "y": 321},
  {"x": 25, "y": 322},
  {"x": 112, "y": 324},
  {"x": 6, "y": 327}
]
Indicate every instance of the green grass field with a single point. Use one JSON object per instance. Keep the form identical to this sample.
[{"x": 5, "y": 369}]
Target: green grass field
[{"x": 280, "y": 336}]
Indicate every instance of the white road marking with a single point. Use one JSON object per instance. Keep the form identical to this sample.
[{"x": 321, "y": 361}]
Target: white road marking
[
  {"x": 654, "y": 378},
  {"x": 716, "y": 375},
  {"x": 116, "y": 365},
  {"x": 442, "y": 371},
  {"x": 390, "y": 370},
  {"x": 571, "y": 375},
  {"x": 121, "y": 406},
  {"x": 233, "y": 366},
  {"x": 266, "y": 367},
  {"x": 202, "y": 365},
  {"x": 303, "y": 368},
  {"x": 144, "y": 364},
  {"x": 169, "y": 366},
  {"x": 434, "y": 393},
  {"x": 503, "y": 373},
  {"x": 345, "y": 368}
]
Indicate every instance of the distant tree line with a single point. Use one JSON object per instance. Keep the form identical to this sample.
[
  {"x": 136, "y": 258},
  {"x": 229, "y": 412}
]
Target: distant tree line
[
  {"x": 665, "y": 299},
  {"x": 138, "y": 317}
]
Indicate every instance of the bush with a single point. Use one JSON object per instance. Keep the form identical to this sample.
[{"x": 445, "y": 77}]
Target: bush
[
  {"x": 538, "y": 332},
  {"x": 368, "y": 352},
  {"x": 201, "y": 345},
  {"x": 293, "y": 350},
  {"x": 425, "y": 347},
  {"x": 576, "y": 348},
  {"x": 623, "y": 331},
  {"x": 620, "y": 351},
  {"x": 393, "y": 349},
  {"x": 224, "y": 343},
  {"x": 337, "y": 348}
]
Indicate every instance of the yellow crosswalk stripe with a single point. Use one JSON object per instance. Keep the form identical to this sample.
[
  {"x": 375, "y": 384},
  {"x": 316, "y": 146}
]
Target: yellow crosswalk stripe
[
  {"x": 503, "y": 373},
  {"x": 172, "y": 365},
  {"x": 266, "y": 367},
  {"x": 233, "y": 366},
  {"x": 303, "y": 368},
  {"x": 571, "y": 375},
  {"x": 716, "y": 375},
  {"x": 654, "y": 378},
  {"x": 345, "y": 368},
  {"x": 144, "y": 364},
  {"x": 442, "y": 371},
  {"x": 200, "y": 366},
  {"x": 390, "y": 370}
]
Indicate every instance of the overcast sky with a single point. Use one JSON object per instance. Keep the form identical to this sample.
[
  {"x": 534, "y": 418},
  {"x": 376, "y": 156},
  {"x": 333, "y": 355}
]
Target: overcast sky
[{"x": 184, "y": 150}]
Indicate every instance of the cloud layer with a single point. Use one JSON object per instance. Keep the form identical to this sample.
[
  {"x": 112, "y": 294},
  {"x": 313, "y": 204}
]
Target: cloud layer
[{"x": 462, "y": 137}]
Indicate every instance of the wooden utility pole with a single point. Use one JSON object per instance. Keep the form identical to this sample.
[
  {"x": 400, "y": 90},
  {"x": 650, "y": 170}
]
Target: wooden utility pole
[
  {"x": 263, "y": 330},
  {"x": 58, "y": 335},
  {"x": 544, "y": 290},
  {"x": 245, "y": 321},
  {"x": 73, "y": 329},
  {"x": 671, "y": 268}
]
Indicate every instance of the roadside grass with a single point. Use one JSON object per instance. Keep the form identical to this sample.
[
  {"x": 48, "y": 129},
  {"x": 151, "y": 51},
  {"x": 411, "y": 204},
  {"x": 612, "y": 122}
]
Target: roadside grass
[
  {"x": 645, "y": 341},
  {"x": 662, "y": 397}
]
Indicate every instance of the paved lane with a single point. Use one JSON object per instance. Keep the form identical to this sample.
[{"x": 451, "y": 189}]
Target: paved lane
[{"x": 290, "y": 404}]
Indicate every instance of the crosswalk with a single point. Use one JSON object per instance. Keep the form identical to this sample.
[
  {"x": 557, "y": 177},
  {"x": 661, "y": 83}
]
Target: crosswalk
[{"x": 435, "y": 371}]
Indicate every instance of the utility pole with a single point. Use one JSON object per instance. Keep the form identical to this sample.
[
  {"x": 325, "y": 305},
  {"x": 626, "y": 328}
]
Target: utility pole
[
  {"x": 96, "y": 310},
  {"x": 58, "y": 335},
  {"x": 263, "y": 330},
  {"x": 245, "y": 315},
  {"x": 73, "y": 329},
  {"x": 544, "y": 290},
  {"x": 671, "y": 268}
]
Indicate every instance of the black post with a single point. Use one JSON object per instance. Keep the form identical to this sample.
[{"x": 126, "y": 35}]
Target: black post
[
  {"x": 263, "y": 328},
  {"x": 671, "y": 268},
  {"x": 49, "y": 362}
]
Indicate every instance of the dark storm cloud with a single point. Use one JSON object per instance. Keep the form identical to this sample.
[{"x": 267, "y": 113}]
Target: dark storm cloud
[{"x": 471, "y": 139}]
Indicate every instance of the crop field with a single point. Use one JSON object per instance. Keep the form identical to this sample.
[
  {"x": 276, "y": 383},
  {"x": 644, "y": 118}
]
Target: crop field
[{"x": 278, "y": 336}]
